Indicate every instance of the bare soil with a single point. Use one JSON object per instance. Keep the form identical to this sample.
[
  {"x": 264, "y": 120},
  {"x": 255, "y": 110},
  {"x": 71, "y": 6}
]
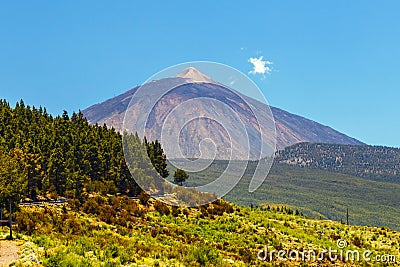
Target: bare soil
[{"x": 8, "y": 252}]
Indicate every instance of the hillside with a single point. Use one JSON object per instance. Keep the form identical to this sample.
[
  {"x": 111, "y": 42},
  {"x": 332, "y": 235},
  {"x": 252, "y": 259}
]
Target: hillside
[
  {"x": 101, "y": 226},
  {"x": 374, "y": 162},
  {"x": 47, "y": 148},
  {"x": 317, "y": 193},
  {"x": 290, "y": 128},
  {"x": 135, "y": 233}
]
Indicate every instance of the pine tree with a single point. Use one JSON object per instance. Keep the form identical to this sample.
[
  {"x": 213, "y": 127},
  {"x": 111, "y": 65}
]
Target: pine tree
[
  {"x": 63, "y": 155},
  {"x": 157, "y": 157},
  {"x": 12, "y": 183},
  {"x": 180, "y": 176}
]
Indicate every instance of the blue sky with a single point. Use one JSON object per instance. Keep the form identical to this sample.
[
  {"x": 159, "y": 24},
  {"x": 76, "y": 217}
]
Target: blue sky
[{"x": 336, "y": 62}]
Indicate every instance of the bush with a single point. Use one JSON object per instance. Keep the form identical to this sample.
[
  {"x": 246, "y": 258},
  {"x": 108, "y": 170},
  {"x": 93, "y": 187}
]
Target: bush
[
  {"x": 204, "y": 255},
  {"x": 107, "y": 214},
  {"x": 144, "y": 198},
  {"x": 75, "y": 204},
  {"x": 357, "y": 242},
  {"x": 161, "y": 207},
  {"x": 73, "y": 226},
  {"x": 175, "y": 211},
  {"x": 25, "y": 222},
  {"x": 113, "y": 251},
  {"x": 185, "y": 212},
  {"x": 246, "y": 255},
  {"x": 91, "y": 207}
]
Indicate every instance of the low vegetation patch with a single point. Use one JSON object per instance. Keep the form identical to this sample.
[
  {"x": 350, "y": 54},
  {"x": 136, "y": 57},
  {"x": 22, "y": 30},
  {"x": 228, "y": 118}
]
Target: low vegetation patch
[{"x": 118, "y": 231}]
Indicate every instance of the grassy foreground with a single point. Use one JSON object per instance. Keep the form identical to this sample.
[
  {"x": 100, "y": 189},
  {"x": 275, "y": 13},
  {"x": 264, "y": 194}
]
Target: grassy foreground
[
  {"x": 153, "y": 234},
  {"x": 116, "y": 231}
]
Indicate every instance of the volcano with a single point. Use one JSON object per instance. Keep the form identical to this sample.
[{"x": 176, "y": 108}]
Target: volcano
[{"x": 189, "y": 84}]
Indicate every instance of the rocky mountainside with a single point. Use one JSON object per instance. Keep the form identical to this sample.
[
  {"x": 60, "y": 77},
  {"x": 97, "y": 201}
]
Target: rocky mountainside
[{"x": 290, "y": 128}]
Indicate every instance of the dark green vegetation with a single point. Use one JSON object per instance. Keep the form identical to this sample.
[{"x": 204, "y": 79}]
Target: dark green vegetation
[
  {"x": 374, "y": 162},
  {"x": 117, "y": 231},
  {"x": 157, "y": 157},
  {"x": 12, "y": 178},
  {"x": 180, "y": 176},
  {"x": 63, "y": 155},
  {"x": 317, "y": 193}
]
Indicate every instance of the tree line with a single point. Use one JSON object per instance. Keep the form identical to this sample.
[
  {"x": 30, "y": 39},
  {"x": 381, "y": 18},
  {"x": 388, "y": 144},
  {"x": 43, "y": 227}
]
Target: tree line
[{"x": 46, "y": 156}]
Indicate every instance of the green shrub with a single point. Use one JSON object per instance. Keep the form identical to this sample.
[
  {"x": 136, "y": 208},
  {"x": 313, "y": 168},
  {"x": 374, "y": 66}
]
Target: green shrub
[
  {"x": 81, "y": 246},
  {"x": 203, "y": 255},
  {"x": 25, "y": 222},
  {"x": 113, "y": 251},
  {"x": 161, "y": 207}
]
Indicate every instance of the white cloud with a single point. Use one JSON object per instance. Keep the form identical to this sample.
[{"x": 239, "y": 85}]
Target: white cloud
[{"x": 260, "y": 66}]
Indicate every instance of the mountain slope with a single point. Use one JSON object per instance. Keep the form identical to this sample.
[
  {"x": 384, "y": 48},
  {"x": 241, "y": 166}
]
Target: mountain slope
[{"x": 290, "y": 128}]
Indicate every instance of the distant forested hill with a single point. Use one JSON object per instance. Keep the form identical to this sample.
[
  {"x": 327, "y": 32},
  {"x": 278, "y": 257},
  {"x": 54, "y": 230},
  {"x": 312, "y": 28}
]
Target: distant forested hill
[{"x": 375, "y": 162}]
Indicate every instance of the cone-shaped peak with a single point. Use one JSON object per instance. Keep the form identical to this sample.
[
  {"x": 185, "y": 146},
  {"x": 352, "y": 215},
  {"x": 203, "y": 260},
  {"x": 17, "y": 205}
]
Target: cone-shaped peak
[{"x": 194, "y": 75}]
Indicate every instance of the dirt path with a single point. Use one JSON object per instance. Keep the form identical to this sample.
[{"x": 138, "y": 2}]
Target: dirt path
[{"x": 8, "y": 252}]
